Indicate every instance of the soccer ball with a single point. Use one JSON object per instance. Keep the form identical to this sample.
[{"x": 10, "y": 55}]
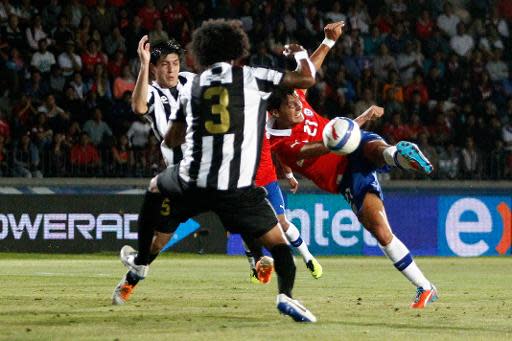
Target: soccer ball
[
  {"x": 264, "y": 267},
  {"x": 341, "y": 135}
]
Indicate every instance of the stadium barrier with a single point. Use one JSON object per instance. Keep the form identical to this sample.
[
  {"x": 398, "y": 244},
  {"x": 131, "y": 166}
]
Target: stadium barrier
[{"x": 93, "y": 215}]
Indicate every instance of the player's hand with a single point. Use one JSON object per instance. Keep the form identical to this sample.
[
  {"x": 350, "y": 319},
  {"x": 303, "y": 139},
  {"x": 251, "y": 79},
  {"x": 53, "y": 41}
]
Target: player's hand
[
  {"x": 372, "y": 113},
  {"x": 294, "y": 184},
  {"x": 291, "y": 49},
  {"x": 334, "y": 30},
  {"x": 143, "y": 50},
  {"x": 375, "y": 112}
]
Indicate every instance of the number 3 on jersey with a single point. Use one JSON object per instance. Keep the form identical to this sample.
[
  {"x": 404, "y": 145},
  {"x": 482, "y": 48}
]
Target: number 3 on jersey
[{"x": 220, "y": 108}]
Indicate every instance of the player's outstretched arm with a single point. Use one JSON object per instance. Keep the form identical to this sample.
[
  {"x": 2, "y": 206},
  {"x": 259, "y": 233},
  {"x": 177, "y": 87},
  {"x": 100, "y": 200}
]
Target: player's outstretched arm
[
  {"x": 372, "y": 113},
  {"x": 332, "y": 33},
  {"x": 140, "y": 92},
  {"x": 312, "y": 149},
  {"x": 304, "y": 76}
]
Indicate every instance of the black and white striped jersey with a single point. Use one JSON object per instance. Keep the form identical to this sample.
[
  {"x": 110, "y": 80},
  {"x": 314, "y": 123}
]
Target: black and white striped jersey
[
  {"x": 163, "y": 107},
  {"x": 225, "y": 113}
]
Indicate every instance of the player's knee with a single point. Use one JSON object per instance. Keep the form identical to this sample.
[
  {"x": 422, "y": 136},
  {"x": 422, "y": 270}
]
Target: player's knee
[
  {"x": 381, "y": 232},
  {"x": 153, "y": 187},
  {"x": 285, "y": 224},
  {"x": 160, "y": 240}
]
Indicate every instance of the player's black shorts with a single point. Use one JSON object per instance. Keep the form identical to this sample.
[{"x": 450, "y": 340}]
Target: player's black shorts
[{"x": 243, "y": 210}]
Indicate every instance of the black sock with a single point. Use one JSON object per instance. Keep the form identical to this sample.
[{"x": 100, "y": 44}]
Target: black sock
[
  {"x": 285, "y": 268},
  {"x": 152, "y": 257},
  {"x": 132, "y": 278},
  {"x": 255, "y": 249},
  {"x": 149, "y": 217}
]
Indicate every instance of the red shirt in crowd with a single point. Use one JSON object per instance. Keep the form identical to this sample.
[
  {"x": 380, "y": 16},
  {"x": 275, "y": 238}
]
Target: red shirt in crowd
[
  {"x": 84, "y": 155},
  {"x": 90, "y": 61},
  {"x": 148, "y": 17}
]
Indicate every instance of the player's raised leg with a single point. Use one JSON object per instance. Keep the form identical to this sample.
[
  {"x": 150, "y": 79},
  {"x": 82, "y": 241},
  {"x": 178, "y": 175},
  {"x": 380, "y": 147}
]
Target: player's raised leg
[
  {"x": 407, "y": 155},
  {"x": 373, "y": 216}
]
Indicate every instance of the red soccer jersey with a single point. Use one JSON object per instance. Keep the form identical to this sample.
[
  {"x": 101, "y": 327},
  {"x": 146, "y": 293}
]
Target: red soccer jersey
[
  {"x": 325, "y": 171},
  {"x": 266, "y": 172}
]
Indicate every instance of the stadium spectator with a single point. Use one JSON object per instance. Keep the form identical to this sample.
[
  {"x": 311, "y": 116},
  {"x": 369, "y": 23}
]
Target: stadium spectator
[
  {"x": 449, "y": 163},
  {"x": 122, "y": 157},
  {"x": 13, "y": 34},
  {"x": 462, "y": 43},
  {"x": 5, "y": 128},
  {"x": 49, "y": 107},
  {"x": 395, "y": 130},
  {"x": 62, "y": 33},
  {"x": 84, "y": 158},
  {"x": 79, "y": 86},
  {"x": 125, "y": 82},
  {"x": 35, "y": 32},
  {"x": 138, "y": 133},
  {"x": 383, "y": 63},
  {"x": 92, "y": 57},
  {"x": 158, "y": 33},
  {"x": 471, "y": 160},
  {"x": 43, "y": 59},
  {"x": 100, "y": 84},
  {"x": 335, "y": 13},
  {"x": 262, "y": 57},
  {"x": 75, "y": 11},
  {"x": 97, "y": 129},
  {"x": 448, "y": 21},
  {"x": 496, "y": 67},
  {"x": 115, "y": 42},
  {"x": 56, "y": 80},
  {"x": 4, "y": 158},
  {"x": 103, "y": 17},
  {"x": 69, "y": 62},
  {"x": 51, "y": 13},
  {"x": 373, "y": 41},
  {"x": 26, "y": 158},
  {"x": 149, "y": 15}
]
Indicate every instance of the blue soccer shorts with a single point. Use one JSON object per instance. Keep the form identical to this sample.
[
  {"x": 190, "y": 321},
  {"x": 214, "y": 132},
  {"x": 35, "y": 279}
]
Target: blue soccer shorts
[{"x": 360, "y": 177}]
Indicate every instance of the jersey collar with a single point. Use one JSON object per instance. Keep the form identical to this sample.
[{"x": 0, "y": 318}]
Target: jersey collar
[{"x": 277, "y": 132}]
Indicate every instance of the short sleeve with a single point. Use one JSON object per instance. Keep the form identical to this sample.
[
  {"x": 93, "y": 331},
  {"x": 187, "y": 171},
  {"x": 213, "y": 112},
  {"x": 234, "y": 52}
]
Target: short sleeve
[{"x": 267, "y": 79}]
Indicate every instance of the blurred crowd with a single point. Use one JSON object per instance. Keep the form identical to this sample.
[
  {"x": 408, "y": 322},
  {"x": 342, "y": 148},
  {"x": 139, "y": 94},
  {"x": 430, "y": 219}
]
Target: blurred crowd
[{"x": 441, "y": 69}]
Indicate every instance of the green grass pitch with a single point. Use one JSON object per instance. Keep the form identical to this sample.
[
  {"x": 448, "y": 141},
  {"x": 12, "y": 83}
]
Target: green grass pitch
[{"x": 191, "y": 297}]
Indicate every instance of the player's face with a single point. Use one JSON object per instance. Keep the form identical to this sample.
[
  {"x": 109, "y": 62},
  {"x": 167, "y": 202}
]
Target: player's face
[
  {"x": 290, "y": 111},
  {"x": 167, "y": 69}
]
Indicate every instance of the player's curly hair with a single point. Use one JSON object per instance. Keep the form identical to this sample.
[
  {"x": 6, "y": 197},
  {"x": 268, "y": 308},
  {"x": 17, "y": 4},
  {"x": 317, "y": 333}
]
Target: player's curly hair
[
  {"x": 219, "y": 40},
  {"x": 277, "y": 97},
  {"x": 161, "y": 49}
]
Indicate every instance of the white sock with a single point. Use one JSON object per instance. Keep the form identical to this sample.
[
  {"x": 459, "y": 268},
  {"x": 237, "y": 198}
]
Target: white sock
[
  {"x": 395, "y": 159},
  {"x": 293, "y": 236},
  {"x": 399, "y": 254}
]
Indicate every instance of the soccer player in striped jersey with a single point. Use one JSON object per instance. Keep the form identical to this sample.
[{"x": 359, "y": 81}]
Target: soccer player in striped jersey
[
  {"x": 158, "y": 101},
  {"x": 224, "y": 116},
  {"x": 296, "y": 131}
]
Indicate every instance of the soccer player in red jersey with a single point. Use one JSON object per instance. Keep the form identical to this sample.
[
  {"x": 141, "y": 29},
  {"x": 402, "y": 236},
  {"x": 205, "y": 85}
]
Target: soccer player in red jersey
[{"x": 296, "y": 131}]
